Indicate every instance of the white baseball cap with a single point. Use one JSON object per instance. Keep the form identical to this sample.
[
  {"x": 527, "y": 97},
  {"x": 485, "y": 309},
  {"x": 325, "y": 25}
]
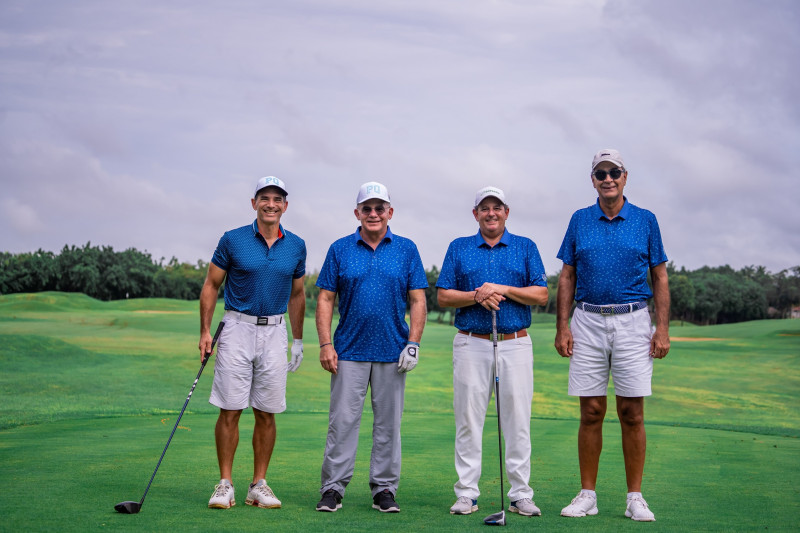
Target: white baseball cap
[
  {"x": 270, "y": 181},
  {"x": 608, "y": 154},
  {"x": 489, "y": 191},
  {"x": 373, "y": 189}
]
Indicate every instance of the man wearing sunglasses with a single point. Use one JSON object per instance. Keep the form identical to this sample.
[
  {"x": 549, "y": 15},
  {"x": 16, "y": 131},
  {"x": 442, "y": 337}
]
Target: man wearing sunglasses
[
  {"x": 493, "y": 270},
  {"x": 608, "y": 250},
  {"x": 375, "y": 275}
]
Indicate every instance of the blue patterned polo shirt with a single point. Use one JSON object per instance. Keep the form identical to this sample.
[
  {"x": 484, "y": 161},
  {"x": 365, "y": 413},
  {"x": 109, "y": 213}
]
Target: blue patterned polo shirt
[
  {"x": 372, "y": 286},
  {"x": 259, "y": 278},
  {"x": 470, "y": 262},
  {"x": 612, "y": 257}
]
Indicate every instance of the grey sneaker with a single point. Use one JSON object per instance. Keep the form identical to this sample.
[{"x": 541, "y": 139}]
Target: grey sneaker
[
  {"x": 223, "y": 496},
  {"x": 464, "y": 505},
  {"x": 525, "y": 507},
  {"x": 260, "y": 495},
  {"x": 638, "y": 510},
  {"x": 583, "y": 504}
]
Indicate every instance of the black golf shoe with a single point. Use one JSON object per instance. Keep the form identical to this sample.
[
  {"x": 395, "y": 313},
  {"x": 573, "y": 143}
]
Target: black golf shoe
[
  {"x": 384, "y": 502},
  {"x": 331, "y": 501}
]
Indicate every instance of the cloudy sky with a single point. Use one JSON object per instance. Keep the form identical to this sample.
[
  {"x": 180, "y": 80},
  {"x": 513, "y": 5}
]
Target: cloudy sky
[{"x": 147, "y": 123}]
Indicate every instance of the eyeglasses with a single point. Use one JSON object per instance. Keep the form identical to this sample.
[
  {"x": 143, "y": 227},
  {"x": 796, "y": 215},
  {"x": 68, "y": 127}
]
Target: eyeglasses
[
  {"x": 367, "y": 209},
  {"x": 615, "y": 173}
]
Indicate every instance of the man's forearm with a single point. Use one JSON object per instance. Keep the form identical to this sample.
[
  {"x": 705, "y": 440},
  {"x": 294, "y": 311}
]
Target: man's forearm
[{"x": 297, "y": 312}]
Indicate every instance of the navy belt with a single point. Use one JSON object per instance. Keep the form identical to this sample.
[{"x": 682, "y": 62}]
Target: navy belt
[{"x": 619, "y": 309}]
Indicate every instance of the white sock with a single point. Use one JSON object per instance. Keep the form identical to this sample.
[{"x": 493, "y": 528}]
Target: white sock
[
  {"x": 591, "y": 493},
  {"x": 634, "y": 495},
  {"x": 224, "y": 481}
]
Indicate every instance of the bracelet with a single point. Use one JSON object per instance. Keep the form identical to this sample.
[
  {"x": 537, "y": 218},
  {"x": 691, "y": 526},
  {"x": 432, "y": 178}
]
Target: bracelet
[
  {"x": 476, "y": 297},
  {"x": 326, "y": 344},
  {"x": 413, "y": 343}
]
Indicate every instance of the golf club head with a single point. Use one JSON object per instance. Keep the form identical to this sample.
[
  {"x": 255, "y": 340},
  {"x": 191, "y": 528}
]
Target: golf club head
[
  {"x": 128, "y": 507},
  {"x": 496, "y": 519}
]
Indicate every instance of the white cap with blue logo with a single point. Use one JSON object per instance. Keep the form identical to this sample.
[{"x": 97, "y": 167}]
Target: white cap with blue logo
[
  {"x": 270, "y": 181},
  {"x": 373, "y": 189}
]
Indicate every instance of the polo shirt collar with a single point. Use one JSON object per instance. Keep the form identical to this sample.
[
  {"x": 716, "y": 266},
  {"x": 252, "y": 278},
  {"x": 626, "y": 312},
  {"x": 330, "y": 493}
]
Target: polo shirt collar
[
  {"x": 623, "y": 213},
  {"x": 256, "y": 232},
  {"x": 505, "y": 239},
  {"x": 388, "y": 236}
]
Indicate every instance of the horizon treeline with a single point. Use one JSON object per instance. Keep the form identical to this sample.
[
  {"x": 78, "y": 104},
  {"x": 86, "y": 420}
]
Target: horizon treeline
[{"x": 707, "y": 295}]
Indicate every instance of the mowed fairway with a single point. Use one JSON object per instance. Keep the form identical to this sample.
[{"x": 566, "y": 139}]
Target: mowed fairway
[{"x": 90, "y": 392}]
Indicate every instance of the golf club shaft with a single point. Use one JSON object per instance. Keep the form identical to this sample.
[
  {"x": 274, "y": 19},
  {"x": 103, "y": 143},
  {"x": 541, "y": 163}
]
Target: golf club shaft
[
  {"x": 189, "y": 397},
  {"x": 497, "y": 405}
]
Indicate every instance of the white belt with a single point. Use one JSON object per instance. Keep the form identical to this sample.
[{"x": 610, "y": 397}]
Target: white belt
[{"x": 272, "y": 320}]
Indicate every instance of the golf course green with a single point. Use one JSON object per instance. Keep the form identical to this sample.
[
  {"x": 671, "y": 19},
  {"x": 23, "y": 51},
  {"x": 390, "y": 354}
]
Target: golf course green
[{"x": 90, "y": 391}]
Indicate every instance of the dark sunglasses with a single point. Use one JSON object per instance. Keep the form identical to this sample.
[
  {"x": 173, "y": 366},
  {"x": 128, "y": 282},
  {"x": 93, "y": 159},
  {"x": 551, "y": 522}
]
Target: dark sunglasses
[
  {"x": 615, "y": 173},
  {"x": 367, "y": 209}
]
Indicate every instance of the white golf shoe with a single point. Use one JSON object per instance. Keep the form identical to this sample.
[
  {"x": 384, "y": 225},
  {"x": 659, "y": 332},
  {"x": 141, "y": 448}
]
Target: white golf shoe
[
  {"x": 525, "y": 507},
  {"x": 638, "y": 510},
  {"x": 464, "y": 505},
  {"x": 223, "y": 496},
  {"x": 260, "y": 495},
  {"x": 583, "y": 504}
]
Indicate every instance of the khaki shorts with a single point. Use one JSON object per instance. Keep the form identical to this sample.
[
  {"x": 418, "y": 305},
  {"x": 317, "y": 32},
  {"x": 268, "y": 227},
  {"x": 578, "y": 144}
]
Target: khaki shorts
[
  {"x": 611, "y": 344},
  {"x": 250, "y": 367}
]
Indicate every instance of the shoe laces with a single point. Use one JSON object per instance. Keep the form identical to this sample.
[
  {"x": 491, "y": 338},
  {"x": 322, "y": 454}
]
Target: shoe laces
[
  {"x": 580, "y": 497},
  {"x": 264, "y": 490},
  {"x": 464, "y": 499},
  {"x": 638, "y": 499},
  {"x": 221, "y": 490}
]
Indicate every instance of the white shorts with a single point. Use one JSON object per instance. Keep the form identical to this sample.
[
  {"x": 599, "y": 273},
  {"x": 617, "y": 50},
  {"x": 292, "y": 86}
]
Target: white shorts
[
  {"x": 616, "y": 344},
  {"x": 250, "y": 369}
]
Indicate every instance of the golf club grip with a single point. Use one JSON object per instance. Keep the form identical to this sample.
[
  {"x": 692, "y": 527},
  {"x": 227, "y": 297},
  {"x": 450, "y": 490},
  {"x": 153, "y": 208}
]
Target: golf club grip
[{"x": 213, "y": 342}]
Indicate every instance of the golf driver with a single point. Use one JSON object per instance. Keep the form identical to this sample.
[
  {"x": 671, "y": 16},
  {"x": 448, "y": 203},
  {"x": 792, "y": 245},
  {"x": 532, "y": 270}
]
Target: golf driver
[
  {"x": 135, "y": 507},
  {"x": 497, "y": 519}
]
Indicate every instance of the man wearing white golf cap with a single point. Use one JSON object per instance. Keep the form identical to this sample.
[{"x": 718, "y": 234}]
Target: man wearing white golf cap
[
  {"x": 375, "y": 274},
  {"x": 608, "y": 250},
  {"x": 492, "y": 270},
  {"x": 263, "y": 266}
]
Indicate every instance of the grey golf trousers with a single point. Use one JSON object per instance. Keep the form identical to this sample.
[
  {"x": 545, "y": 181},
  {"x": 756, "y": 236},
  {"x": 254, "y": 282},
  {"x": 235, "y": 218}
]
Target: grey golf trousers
[{"x": 348, "y": 391}]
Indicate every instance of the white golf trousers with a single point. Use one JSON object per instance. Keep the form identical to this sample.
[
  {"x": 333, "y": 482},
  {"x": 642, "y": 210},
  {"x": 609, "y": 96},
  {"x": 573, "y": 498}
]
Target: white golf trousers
[{"x": 473, "y": 386}]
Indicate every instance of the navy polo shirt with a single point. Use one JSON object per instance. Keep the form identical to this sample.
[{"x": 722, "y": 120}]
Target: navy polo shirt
[
  {"x": 372, "y": 286},
  {"x": 259, "y": 278},
  {"x": 612, "y": 256},
  {"x": 470, "y": 262}
]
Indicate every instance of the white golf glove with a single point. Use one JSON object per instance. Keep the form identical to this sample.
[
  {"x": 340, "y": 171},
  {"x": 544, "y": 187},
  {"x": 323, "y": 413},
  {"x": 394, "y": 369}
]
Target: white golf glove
[
  {"x": 297, "y": 355},
  {"x": 408, "y": 358}
]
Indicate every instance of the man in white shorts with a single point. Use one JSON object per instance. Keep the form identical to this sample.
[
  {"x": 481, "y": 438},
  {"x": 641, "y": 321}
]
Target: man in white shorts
[
  {"x": 263, "y": 267},
  {"x": 607, "y": 252}
]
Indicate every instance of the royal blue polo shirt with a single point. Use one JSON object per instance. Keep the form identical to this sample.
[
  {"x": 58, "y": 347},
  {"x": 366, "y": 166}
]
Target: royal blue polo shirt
[
  {"x": 612, "y": 256},
  {"x": 372, "y": 286},
  {"x": 470, "y": 262},
  {"x": 259, "y": 278}
]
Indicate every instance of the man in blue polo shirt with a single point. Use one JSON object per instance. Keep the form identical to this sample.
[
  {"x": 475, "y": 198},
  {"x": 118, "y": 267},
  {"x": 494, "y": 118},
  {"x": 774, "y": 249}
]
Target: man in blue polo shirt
[
  {"x": 492, "y": 270},
  {"x": 607, "y": 252},
  {"x": 263, "y": 266},
  {"x": 375, "y": 274}
]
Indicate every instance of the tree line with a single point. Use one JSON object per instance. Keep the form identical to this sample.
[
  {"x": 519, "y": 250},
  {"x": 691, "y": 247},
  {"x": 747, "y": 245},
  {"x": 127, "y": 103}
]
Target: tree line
[{"x": 707, "y": 295}]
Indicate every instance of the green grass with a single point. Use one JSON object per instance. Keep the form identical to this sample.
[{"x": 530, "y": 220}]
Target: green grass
[{"x": 90, "y": 391}]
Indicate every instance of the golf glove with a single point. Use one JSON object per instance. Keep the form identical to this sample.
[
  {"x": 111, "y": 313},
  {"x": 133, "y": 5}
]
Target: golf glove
[
  {"x": 297, "y": 355},
  {"x": 408, "y": 358}
]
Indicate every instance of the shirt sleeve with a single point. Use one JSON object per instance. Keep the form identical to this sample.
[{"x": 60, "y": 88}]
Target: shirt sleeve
[
  {"x": 329, "y": 275},
  {"x": 416, "y": 276},
  {"x": 447, "y": 276},
  {"x": 567, "y": 251},
  {"x": 657, "y": 253},
  {"x": 221, "y": 256},
  {"x": 300, "y": 270},
  {"x": 537, "y": 276}
]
